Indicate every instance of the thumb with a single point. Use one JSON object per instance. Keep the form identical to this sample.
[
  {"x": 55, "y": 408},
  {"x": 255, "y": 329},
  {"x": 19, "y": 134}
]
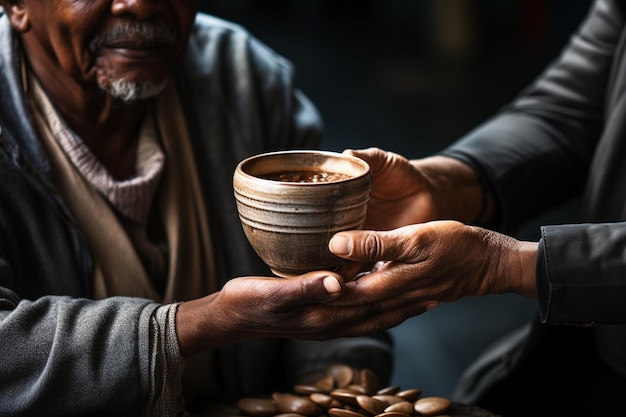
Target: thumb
[
  {"x": 375, "y": 157},
  {"x": 313, "y": 287},
  {"x": 368, "y": 245}
]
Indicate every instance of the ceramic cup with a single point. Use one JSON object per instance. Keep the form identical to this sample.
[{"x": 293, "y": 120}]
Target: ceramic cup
[{"x": 291, "y": 203}]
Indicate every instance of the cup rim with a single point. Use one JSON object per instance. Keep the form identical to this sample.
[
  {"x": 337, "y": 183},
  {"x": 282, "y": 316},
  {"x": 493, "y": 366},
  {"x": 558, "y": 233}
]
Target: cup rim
[{"x": 241, "y": 171}]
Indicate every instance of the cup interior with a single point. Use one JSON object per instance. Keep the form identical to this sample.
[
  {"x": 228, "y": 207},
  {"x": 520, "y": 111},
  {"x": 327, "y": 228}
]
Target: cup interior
[{"x": 311, "y": 164}]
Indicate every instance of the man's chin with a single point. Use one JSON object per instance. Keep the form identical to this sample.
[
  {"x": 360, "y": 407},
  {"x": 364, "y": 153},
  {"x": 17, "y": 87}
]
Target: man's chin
[{"x": 129, "y": 91}]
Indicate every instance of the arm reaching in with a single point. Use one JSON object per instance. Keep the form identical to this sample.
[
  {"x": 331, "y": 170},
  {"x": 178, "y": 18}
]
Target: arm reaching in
[{"x": 433, "y": 262}]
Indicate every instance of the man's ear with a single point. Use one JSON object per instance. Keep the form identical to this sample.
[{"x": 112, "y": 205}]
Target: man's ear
[{"x": 17, "y": 14}]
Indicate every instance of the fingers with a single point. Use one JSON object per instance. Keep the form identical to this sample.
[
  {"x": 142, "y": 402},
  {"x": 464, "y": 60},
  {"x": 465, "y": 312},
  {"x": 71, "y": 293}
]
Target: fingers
[
  {"x": 366, "y": 154},
  {"x": 311, "y": 288},
  {"x": 275, "y": 296},
  {"x": 374, "y": 246},
  {"x": 376, "y": 158},
  {"x": 380, "y": 319},
  {"x": 390, "y": 286}
]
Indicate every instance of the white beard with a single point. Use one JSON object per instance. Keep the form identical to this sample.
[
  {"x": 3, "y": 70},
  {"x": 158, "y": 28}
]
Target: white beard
[
  {"x": 129, "y": 91},
  {"x": 121, "y": 89}
]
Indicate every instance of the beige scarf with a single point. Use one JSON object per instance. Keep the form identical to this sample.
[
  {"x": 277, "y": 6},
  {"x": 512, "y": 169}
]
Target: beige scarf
[{"x": 118, "y": 270}]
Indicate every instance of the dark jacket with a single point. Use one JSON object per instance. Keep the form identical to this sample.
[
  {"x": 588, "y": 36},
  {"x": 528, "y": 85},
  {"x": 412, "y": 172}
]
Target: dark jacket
[
  {"x": 62, "y": 353},
  {"x": 564, "y": 136}
]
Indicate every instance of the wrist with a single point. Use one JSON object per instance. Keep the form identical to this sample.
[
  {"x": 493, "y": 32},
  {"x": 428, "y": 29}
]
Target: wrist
[
  {"x": 456, "y": 189},
  {"x": 527, "y": 253},
  {"x": 517, "y": 268},
  {"x": 199, "y": 327}
]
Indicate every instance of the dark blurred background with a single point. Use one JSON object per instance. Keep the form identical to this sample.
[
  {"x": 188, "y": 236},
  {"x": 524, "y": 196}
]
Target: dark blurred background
[{"x": 411, "y": 76}]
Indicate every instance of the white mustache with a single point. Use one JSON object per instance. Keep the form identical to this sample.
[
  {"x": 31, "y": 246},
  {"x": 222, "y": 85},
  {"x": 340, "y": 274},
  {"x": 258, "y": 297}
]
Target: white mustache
[{"x": 149, "y": 33}]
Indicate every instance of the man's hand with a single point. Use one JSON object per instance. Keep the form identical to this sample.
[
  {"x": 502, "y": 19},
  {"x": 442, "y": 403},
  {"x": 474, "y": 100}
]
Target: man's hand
[
  {"x": 434, "y": 262},
  {"x": 294, "y": 308},
  {"x": 416, "y": 191},
  {"x": 401, "y": 195}
]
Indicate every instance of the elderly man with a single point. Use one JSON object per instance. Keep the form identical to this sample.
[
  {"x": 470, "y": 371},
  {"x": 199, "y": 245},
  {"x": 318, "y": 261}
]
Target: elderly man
[{"x": 121, "y": 122}]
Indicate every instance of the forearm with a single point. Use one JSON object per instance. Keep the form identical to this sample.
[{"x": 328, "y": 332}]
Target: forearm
[{"x": 522, "y": 162}]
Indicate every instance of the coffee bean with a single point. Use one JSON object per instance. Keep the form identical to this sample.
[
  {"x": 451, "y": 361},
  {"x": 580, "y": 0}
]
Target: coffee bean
[
  {"x": 289, "y": 403},
  {"x": 326, "y": 384},
  {"x": 389, "y": 399},
  {"x": 289, "y": 415},
  {"x": 405, "y": 407},
  {"x": 371, "y": 405},
  {"x": 369, "y": 381},
  {"x": 345, "y": 396},
  {"x": 305, "y": 389},
  {"x": 342, "y": 412},
  {"x": 257, "y": 407},
  {"x": 341, "y": 391},
  {"x": 324, "y": 400},
  {"x": 410, "y": 394},
  {"x": 391, "y": 390},
  {"x": 431, "y": 406},
  {"x": 342, "y": 374},
  {"x": 359, "y": 389}
]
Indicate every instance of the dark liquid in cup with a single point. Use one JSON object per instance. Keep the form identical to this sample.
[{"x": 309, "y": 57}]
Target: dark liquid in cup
[{"x": 305, "y": 176}]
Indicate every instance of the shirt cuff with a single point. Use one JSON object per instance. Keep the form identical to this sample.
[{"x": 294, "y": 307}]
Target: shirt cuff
[{"x": 166, "y": 364}]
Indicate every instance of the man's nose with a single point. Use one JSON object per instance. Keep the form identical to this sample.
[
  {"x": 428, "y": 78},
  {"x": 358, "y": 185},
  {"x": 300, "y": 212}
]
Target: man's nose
[{"x": 140, "y": 9}]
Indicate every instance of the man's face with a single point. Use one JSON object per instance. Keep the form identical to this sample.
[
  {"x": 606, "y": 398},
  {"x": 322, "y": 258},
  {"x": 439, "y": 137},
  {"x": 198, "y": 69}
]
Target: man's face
[{"x": 128, "y": 47}]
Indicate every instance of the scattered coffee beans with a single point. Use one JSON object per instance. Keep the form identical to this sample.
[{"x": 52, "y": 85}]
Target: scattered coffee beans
[{"x": 345, "y": 392}]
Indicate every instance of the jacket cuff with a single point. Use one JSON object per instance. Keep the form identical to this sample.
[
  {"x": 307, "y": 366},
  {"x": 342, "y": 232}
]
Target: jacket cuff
[
  {"x": 565, "y": 294},
  {"x": 543, "y": 280}
]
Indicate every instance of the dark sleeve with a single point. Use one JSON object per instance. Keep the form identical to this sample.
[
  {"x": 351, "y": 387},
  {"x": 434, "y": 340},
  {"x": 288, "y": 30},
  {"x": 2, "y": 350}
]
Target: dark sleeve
[
  {"x": 74, "y": 356},
  {"x": 244, "y": 91},
  {"x": 580, "y": 273},
  {"x": 536, "y": 152}
]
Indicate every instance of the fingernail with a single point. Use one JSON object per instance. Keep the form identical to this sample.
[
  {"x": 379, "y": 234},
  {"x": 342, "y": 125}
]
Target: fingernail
[
  {"x": 332, "y": 285},
  {"x": 340, "y": 245}
]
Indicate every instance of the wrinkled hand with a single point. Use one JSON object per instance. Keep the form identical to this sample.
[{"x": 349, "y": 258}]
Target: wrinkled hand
[
  {"x": 401, "y": 194},
  {"x": 416, "y": 191},
  {"x": 420, "y": 190},
  {"x": 429, "y": 263},
  {"x": 258, "y": 307}
]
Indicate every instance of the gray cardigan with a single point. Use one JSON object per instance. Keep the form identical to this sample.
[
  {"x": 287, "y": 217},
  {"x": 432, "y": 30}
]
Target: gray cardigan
[{"x": 62, "y": 353}]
